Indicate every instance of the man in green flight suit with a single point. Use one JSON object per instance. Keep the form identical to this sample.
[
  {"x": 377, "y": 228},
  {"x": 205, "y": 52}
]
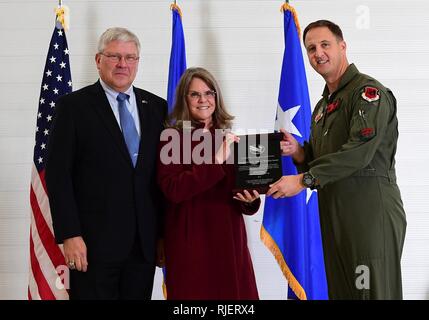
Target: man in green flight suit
[{"x": 350, "y": 159}]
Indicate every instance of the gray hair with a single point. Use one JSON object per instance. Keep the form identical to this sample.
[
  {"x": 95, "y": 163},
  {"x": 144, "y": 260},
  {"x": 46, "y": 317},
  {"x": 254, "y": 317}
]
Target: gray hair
[{"x": 117, "y": 34}]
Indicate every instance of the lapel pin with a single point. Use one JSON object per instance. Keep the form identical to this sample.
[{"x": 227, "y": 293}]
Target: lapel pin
[
  {"x": 144, "y": 101},
  {"x": 318, "y": 117}
]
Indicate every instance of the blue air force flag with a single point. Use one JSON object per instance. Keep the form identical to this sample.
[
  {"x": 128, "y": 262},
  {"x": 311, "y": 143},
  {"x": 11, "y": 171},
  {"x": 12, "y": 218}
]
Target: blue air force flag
[
  {"x": 290, "y": 227},
  {"x": 177, "y": 56}
]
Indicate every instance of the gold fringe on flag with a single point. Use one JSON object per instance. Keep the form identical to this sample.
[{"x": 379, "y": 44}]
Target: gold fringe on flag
[
  {"x": 164, "y": 290},
  {"x": 63, "y": 16},
  {"x": 287, "y": 6},
  {"x": 174, "y": 6},
  {"x": 292, "y": 281}
]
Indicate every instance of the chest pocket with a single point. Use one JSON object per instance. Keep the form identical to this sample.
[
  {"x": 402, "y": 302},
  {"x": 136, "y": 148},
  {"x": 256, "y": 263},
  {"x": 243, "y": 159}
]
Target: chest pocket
[{"x": 331, "y": 130}]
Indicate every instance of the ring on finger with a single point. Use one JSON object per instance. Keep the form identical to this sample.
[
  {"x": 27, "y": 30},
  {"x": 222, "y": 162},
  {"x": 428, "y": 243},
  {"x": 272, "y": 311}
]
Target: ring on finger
[{"x": 71, "y": 265}]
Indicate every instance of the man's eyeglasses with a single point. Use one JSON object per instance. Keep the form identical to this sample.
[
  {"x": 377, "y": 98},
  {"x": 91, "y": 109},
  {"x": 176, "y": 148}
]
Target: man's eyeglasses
[
  {"x": 194, "y": 95},
  {"x": 115, "y": 58}
]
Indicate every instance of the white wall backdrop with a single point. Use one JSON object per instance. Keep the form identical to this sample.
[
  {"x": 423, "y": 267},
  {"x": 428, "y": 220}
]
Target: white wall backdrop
[{"x": 241, "y": 42}]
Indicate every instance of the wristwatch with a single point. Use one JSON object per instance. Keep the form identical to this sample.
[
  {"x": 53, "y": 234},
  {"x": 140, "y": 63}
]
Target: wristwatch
[{"x": 308, "y": 180}]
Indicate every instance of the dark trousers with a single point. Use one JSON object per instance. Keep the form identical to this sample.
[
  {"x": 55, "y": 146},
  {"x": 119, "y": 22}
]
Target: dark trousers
[{"x": 131, "y": 279}]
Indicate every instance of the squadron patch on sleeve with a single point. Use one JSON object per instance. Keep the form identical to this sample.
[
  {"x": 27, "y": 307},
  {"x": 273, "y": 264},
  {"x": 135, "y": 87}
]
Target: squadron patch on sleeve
[
  {"x": 366, "y": 134},
  {"x": 370, "y": 94}
]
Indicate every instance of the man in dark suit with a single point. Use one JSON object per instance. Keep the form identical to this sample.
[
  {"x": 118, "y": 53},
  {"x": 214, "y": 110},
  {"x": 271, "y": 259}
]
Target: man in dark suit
[{"x": 100, "y": 175}]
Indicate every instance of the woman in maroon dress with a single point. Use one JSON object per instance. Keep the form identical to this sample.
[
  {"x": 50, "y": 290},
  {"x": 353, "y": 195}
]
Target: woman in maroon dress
[{"x": 205, "y": 241}]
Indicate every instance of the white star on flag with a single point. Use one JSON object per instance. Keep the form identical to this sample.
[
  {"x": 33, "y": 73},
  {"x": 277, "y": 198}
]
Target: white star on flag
[
  {"x": 60, "y": 33},
  {"x": 56, "y": 46},
  {"x": 69, "y": 83},
  {"x": 56, "y": 91},
  {"x": 53, "y": 59},
  {"x": 59, "y": 78},
  {"x": 52, "y": 104},
  {"x": 48, "y": 73},
  {"x": 284, "y": 119},
  {"x": 66, "y": 51},
  {"x": 63, "y": 65},
  {"x": 42, "y": 101}
]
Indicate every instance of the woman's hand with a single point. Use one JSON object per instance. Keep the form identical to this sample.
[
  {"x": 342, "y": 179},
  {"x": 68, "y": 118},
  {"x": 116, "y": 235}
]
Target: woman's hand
[
  {"x": 225, "y": 149},
  {"x": 246, "y": 197}
]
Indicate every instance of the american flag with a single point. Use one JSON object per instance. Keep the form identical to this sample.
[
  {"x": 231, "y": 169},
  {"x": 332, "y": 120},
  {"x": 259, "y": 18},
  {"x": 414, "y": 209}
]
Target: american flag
[{"x": 48, "y": 277}]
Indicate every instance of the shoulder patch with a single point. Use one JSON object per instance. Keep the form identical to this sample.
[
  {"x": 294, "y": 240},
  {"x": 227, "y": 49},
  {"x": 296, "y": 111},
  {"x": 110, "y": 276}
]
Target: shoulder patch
[{"x": 370, "y": 94}]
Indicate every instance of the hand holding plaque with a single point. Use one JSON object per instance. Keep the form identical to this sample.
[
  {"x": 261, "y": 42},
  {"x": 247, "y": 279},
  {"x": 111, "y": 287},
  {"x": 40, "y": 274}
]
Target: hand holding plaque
[{"x": 224, "y": 151}]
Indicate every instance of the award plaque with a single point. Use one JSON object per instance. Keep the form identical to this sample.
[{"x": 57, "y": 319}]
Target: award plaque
[{"x": 257, "y": 162}]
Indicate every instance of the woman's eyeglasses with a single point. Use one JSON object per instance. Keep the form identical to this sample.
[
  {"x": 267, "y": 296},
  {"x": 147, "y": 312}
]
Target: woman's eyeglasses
[{"x": 194, "y": 95}]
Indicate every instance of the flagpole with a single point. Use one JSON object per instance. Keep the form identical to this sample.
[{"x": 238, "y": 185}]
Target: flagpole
[{"x": 60, "y": 3}]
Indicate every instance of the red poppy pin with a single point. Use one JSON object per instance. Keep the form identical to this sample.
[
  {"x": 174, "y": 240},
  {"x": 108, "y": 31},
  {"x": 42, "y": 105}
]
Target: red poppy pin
[
  {"x": 332, "y": 107},
  {"x": 370, "y": 94},
  {"x": 366, "y": 134}
]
